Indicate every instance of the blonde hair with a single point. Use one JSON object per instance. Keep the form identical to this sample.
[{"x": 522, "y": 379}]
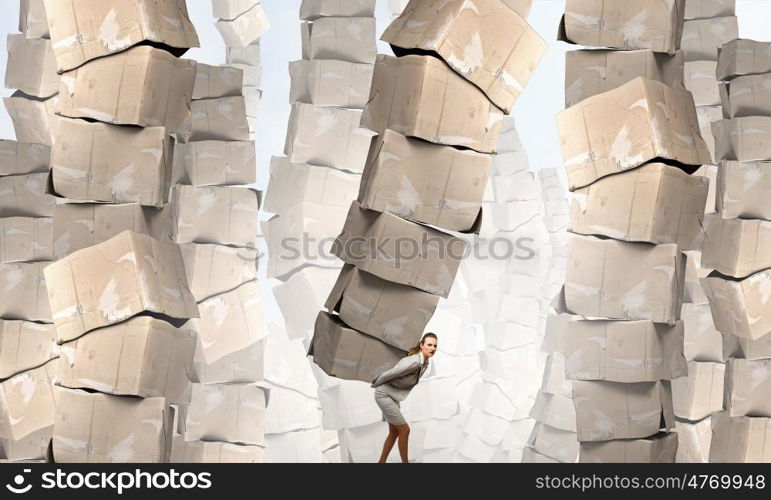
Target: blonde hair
[{"x": 416, "y": 349}]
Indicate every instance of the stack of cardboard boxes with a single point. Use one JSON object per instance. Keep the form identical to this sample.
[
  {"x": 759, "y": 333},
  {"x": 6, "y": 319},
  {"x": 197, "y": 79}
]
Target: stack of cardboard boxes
[{"x": 629, "y": 142}]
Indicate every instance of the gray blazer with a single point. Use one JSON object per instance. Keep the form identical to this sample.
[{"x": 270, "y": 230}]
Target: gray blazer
[{"x": 399, "y": 380}]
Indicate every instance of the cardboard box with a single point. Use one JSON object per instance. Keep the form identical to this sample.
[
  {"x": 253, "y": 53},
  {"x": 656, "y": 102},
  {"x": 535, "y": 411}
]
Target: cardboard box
[
  {"x": 21, "y": 158},
  {"x": 208, "y": 452},
  {"x": 83, "y": 31},
  {"x": 746, "y": 96},
  {"x": 703, "y": 9},
  {"x": 601, "y": 284},
  {"x": 231, "y": 9},
  {"x": 350, "y": 39},
  {"x": 328, "y": 82},
  {"x": 312, "y": 9},
  {"x": 94, "y": 161},
  {"x": 655, "y": 25},
  {"x": 649, "y": 121},
  {"x": 742, "y": 189},
  {"x": 215, "y": 163},
  {"x": 710, "y": 172},
  {"x": 740, "y": 307},
  {"x": 215, "y": 269},
  {"x": 700, "y": 80},
  {"x": 248, "y": 55},
  {"x": 491, "y": 45},
  {"x": 743, "y": 57},
  {"x": 737, "y": 247},
  {"x": 742, "y": 139},
  {"x": 694, "y": 440},
  {"x": 244, "y": 29},
  {"x": 747, "y": 386},
  {"x": 108, "y": 283},
  {"x": 220, "y": 412},
  {"x": 292, "y": 184},
  {"x": 554, "y": 380},
  {"x": 28, "y": 402},
  {"x": 624, "y": 351},
  {"x": 555, "y": 410},
  {"x": 31, "y": 447},
  {"x": 592, "y": 72},
  {"x": 33, "y": 119},
  {"x": 25, "y": 345},
  {"x": 703, "y": 38},
  {"x": 328, "y": 137},
  {"x": 252, "y": 75},
  {"x": 396, "y": 314},
  {"x": 222, "y": 119},
  {"x": 654, "y": 203},
  {"x": 25, "y": 196},
  {"x": 743, "y": 348},
  {"x": 301, "y": 298},
  {"x": 375, "y": 243},
  {"x": 32, "y": 19},
  {"x": 212, "y": 82},
  {"x": 420, "y": 96},
  {"x": 658, "y": 449},
  {"x": 558, "y": 444},
  {"x": 91, "y": 427},
  {"x": 703, "y": 342},
  {"x": 24, "y": 239},
  {"x": 700, "y": 393},
  {"x": 31, "y": 66},
  {"x": 740, "y": 439},
  {"x": 707, "y": 116},
  {"x": 612, "y": 410},
  {"x": 342, "y": 352},
  {"x": 420, "y": 181},
  {"x": 24, "y": 290},
  {"x": 246, "y": 366}
]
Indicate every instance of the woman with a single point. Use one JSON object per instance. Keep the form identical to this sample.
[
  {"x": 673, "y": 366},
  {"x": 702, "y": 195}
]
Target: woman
[{"x": 394, "y": 385}]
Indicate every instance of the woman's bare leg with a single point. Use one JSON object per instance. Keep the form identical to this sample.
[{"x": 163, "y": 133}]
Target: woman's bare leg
[
  {"x": 388, "y": 445},
  {"x": 404, "y": 437}
]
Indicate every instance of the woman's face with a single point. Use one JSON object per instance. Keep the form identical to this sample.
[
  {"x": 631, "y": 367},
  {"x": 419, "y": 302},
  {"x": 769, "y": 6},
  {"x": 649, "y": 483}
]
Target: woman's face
[{"x": 428, "y": 347}]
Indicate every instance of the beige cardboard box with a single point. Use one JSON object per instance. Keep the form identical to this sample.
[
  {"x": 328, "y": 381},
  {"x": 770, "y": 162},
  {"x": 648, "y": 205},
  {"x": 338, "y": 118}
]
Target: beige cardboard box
[
  {"x": 215, "y": 163},
  {"x": 208, "y": 452},
  {"x": 33, "y": 119},
  {"x": 416, "y": 180},
  {"x": 25, "y": 196},
  {"x": 102, "y": 428},
  {"x": 742, "y": 189},
  {"x": 25, "y": 239},
  {"x": 703, "y": 38},
  {"x": 248, "y": 55},
  {"x": 32, "y": 19},
  {"x": 28, "y": 401},
  {"x": 700, "y": 80},
  {"x": 742, "y": 348},
  {"x": 746, "y": 96},
  {"x": 658, "y": 449},
  {"x": 215, "y": 269},
  {"x": 649, "y": 121},
  {"x": 108, "y": 283},
  {"x": 737, "y": 247},
  {"x": 212, "y": 82},
  {"x": 555, "y": 410},
  {"x": 551, "y": 442},
  {"x": 24, "y": 292},
  {"x": 740, "y": 439},
  {"x": 704, "y": 9},
  {"x": 31, "y": 66},
  {"x": 612, "y": 410},
  {"x": 420, "y": 96},
  {"x": 222, "y": 119},
  {"x": 231, "y": 9},
  {"x": 95, "y": 161},
  {"x": 743, "y": 139},
  {"x": 246, "y": 366},
  {"x": 490, "y": 45},
  {"x": 400, "y": 251},
  {"x": 740, "y": 307},
  {"x": 710, "y": 172},
  {"x": 25, "y": 345},
  {"x": 554, "y": 380},
  {"x": 694, "y": 440},
  {"x": 654, "y": 203},
  {"x": 328, "y": 137},
  {"x": 244, "y": 29},
  {"x": 301, "y": 298},
  {"x": 327, "y": 82},
  {"x": 700, "y": 393},
  {"x": 703, "y": 342},
  {"x": 292, "y": 184},
  {"x": 635, "y": 24},
  {"x": 748, "y": 387},
  {"x": 396, "y": 314},
  {"x": 21, "y": 158},
  {"x": 220, "y": 412},
  {"x": 142, "y": 357},
  {"x": 601, "y": 283},
  {"x": 312, "y": 9},
  {"x": 624, "y": 351},
  {"x": 342, "y": 352},
  {"x": 743, "y": 57},
  {"x": 252, "y": 75},
  {"x": 229, "y": 322},
  {"x": 707, "y": 116},
  {"x": 85, "y": 30},
  {"x": 592, "y": 72},
  {"x": 350, "y": 39},
  {"x": 31, "y": 447}
]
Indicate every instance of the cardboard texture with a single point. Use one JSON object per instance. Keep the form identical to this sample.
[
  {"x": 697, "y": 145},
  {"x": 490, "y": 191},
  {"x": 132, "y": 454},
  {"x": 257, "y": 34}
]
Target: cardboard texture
[
  {"x": 32, "y": 19},
  {"x": 248, "y": 55},
  {"x": 251, "y": 75},
  {"x": 658, "y": 449},
  {"x": 649, "y": 121},
  {"x": 24, "y": 292},
  {"x": 25, "y": 196},
  {"x": 244, "y": 29},
  {"x": 33, "y": 446},
  {"x": 28, "y": 401},
  {"x": 108, "y": 283},
  {"x": 230, "y": 9},
  {"x": 710, "y": 172},
  {"x": 342, "y": 352},
  {"x": 555, "y": 410},
  {"x": 742, "y": 189},
  {"x": 24, "y": 239},
  {"x": 636, "y": 24},
  {"x": 742, "y": 348},
  {"x": 554, "y": 380},
  {"x": 556, "y": 443},
  {"x": 212, "y": 82},
  {"x": 395, "y": 314},
  {"x": 703, "y": 342},
  {"x": 94, "y": 161},
  {"x": 611, "y": 410},
  {"x": 423, "y": 182},
  {"x": 420, "y": 96},
  {"x": 740, "y": 439},
  {"x": 700, "y": 393},
  {"x": 25, "y": 345},
  {"x": 328, "y": 82},
  {"x": 207, "y": 452},
  {"x": 375, "y": 243},
  {"x": 215, "y": 269},
  {"x": 21, "y": 158},
  {"x": 31, "y": 66},
  {"x": 301, "y": 298},
  {"x": 33, "y": 118},
  {"x": 624, "y": 351},
  {"x": 740, "y": 307},
  {"x": 704, "y": 9},
  {"x": 246, "y": 366},
  {"x": 487, "y": 42},
  {"x": 600, "y": 283},
  {"x": 215, "y": 163},
  {"x": 743, "y": 57},
  {"x": 694, "y": 440},
  {"x": 737, "y": 247},
  {"x": 747, "y": 387},
  {"x": 703, "y": 38},
  {"x": 222, "y": 119},
  {"x": 700, "y": 80},
  {"x": 746, "y": 96},
  {"x": 328, "y": 137},
  {"x": 707, "y": 116},
  {"x": 83, "y": 31},
  {"x": 592, "y": 72},
  {"x": 530, "y": 456},
  {"x": 743, "y": 139},
  {"x": 312, "y": 9},
  {"x": 350, "y": 39},
  {"x": 101, "y": 428},
  {"x": 655, "y": 203},
  {"x": 142, "y": 357}
]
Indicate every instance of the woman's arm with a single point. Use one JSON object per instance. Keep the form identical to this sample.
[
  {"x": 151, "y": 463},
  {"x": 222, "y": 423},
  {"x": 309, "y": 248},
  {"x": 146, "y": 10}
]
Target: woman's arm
[{"x": 403, "y": 366}]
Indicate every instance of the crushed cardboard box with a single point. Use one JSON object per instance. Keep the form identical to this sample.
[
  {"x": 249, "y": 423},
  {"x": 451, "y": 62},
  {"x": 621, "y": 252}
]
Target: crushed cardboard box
[
  {"x": 707, "y": 116},
  {"x": 312, "y": 9},
  {"x": 21, "y": 158},
  {"x": 658, "y": 449},
  {"x": 25, "y": 345},
  {"x": 327, "y": 82},
  {"x": 222, "y": 119},
  {"x": 28, "y": 402},
  {"x": 24, "y": 294},
  {"x": 705, "y": 9},
  {"x": 215, "y": 163},
  {"x": 251, "y": 75},
  {"x": 702, "y": 341},
  {"x": 249, "y": 55},
  {"x": 737, "y": 247},
  {"x": 694, "y": 440},
  {"x": 743, "y": 348},
  {"x": 25, "y": 239},
  {"x": 555, "y": 443},
  {"x": 231, "y": 9},
  {"x": 31, "y": 66},
  {"x": 700, "y": 80},
  {"x": 215, "y": 269},
  {"x": 740, "y": 307},
  {"x": 747, "y": 387},
  {"x": 246, "y": 366},
  {"x": 25, "y": 196},
  {"x": 33, "y": 119},
  {"x": 700, "y": 393},
  {"x": 245, "y": 29},
  {"x": 302, "y": 296},
  {"x": 746, "y": 96},
  {"x": 208, "y": 452},
  {"x": 32, "y": 19},
  {"x": 742, "y": 189},
  {"x": 740, "y": 439},
  {"x": 350, "y": 39},
  {"x": 555, "y": 410},
  {"x": 711, "y": 173},
  {"x": 703, "y": 38},
  {"x": 212, "y": 82},
  {"x": 743, "y": 57},
  {"x": 33, "y": 446},
  {"x": 743, "y": 139}
]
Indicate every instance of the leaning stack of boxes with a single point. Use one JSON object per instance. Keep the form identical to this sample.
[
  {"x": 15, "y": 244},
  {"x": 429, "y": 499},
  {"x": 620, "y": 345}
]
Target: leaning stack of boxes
[{"x": 27, "y": 337}]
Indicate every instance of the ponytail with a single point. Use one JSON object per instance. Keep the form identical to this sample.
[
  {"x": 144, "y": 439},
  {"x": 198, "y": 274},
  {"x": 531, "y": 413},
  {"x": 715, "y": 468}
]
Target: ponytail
[{"x": 416, "y": 349}]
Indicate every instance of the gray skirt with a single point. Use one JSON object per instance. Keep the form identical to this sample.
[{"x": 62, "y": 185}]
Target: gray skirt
[{"x": 390, "y": 408}]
